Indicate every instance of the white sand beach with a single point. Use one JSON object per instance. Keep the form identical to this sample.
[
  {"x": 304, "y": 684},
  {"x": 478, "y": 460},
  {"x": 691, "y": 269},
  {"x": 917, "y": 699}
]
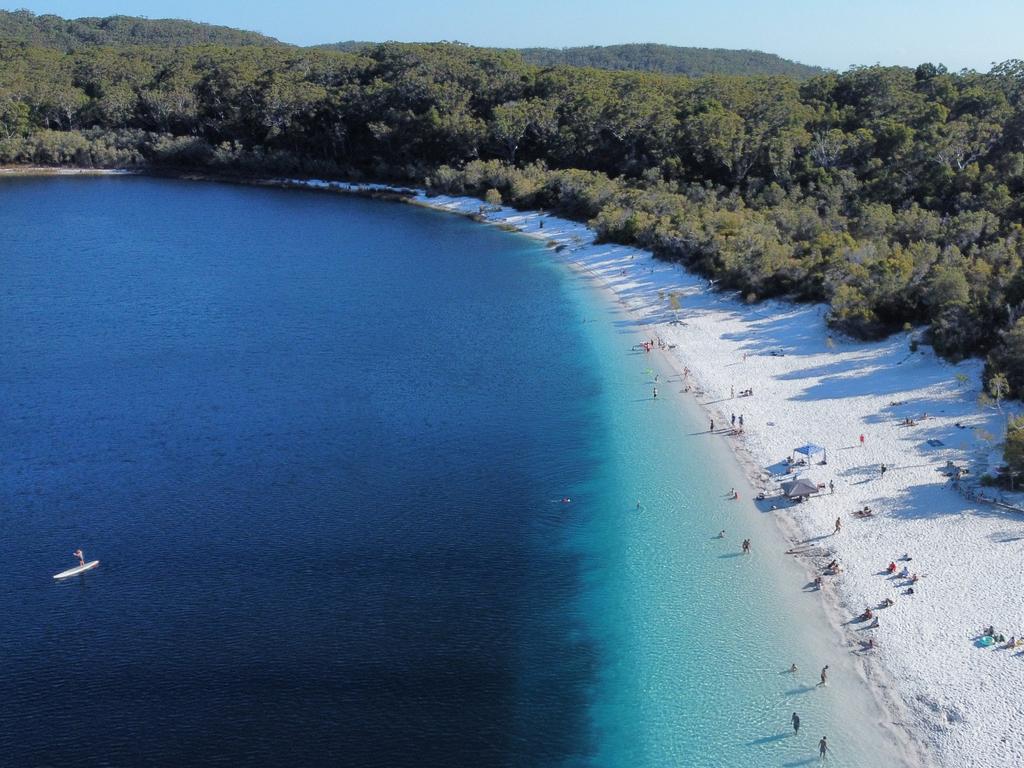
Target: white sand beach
[{"x": 916, "y": 413}]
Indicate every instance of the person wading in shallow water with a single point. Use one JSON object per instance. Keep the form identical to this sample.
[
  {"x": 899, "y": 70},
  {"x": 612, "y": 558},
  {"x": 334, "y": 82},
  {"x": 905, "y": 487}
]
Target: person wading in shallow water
[
  {"x": 796, "y": 723},
  {"x": 824, "y": 675},
  {"x": 822, "y": 748}
]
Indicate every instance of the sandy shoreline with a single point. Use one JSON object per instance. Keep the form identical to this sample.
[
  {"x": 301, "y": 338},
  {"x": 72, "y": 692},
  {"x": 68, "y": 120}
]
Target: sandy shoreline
[
  {"x": 739, "y": 470},
  {"x": 45, "y": 170}
]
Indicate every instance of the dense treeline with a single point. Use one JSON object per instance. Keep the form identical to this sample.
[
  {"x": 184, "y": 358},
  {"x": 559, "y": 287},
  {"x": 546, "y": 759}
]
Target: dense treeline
[
  {"x": 68, "y": 34},
  {"x": 650, "y": 57},
  {"x": 669, "y": 59},
  {"x": 893, "y": 194}
]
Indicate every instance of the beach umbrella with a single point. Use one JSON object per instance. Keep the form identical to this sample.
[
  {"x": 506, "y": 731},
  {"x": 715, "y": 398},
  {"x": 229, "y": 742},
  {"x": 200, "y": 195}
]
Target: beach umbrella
[
  {"x": 810, "y": 450},
  {"x": 794, "y": 489}
]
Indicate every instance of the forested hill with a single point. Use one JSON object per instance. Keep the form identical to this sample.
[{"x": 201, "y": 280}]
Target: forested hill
[
  {"x": 68, "y": 34},
  {"x": 670, "y": 59},
  {"x": 649, "y": 57}
]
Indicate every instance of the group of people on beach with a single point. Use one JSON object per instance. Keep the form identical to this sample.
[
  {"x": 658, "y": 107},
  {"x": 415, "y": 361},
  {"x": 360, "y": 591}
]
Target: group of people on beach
[
  {"x": 999, "y": 637},
  {"x": 737, "y": 424}
]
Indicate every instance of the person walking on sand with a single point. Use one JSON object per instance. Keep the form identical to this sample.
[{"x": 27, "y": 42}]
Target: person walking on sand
[
  {"x": 822, "y": 748},
  {"x": 741, "y": 421},
  {"x": 824, "y": 675},
  {"x": 796, "y": 723},
  {"x": 733, "y": 419},
  {"x": 862, "y": 441},
  {"x": 839, "y": 526},
  {"x": 882, "y": 470},
  {"x": 712, "y": 425},
  {"x": 831, "y": 487}
]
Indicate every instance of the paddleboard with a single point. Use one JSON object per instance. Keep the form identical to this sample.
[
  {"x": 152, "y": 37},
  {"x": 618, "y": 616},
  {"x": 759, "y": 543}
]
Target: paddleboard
[{"x": 77, "y": 569}]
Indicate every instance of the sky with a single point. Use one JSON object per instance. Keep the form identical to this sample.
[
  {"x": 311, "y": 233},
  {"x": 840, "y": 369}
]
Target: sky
[{"x": 829, "y": 33}]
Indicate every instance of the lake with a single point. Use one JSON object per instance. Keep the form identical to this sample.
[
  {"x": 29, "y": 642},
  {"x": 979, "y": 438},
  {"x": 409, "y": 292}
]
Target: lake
[{"x": 363, "y": 479}]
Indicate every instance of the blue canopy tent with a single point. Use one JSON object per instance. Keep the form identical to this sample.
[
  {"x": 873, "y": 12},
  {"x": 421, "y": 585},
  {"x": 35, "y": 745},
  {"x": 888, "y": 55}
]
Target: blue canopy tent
[{"x": 810, "y": 450}]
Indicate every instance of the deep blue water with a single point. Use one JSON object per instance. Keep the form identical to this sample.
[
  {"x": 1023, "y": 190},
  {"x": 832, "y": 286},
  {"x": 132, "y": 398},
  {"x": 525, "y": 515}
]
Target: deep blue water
[{"x": 314, "y": 442}]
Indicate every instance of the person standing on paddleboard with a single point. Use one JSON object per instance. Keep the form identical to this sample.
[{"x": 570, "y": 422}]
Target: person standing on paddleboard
[{"x": 80, "y": 556}]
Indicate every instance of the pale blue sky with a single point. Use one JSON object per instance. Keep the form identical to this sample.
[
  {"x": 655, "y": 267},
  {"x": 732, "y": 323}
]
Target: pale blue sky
[{"x": 832, "y": 33}]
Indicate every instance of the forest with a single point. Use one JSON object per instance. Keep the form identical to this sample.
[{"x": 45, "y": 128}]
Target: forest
[{"x": 892, "y": 194}]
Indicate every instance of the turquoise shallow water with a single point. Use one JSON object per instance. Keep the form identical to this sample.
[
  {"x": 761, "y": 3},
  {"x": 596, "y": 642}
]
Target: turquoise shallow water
[
  {"x": 696, "y": 638},
  {"x": 319, "y": 445}
]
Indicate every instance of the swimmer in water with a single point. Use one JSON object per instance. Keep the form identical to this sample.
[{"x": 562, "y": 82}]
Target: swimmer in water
[{"x": 721, "y": 535}]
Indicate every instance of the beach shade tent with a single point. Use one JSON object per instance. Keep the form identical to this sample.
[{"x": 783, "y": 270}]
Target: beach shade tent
[
  {"x": 810, "y": 450},
  {"x": 794, "y": 489}
]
